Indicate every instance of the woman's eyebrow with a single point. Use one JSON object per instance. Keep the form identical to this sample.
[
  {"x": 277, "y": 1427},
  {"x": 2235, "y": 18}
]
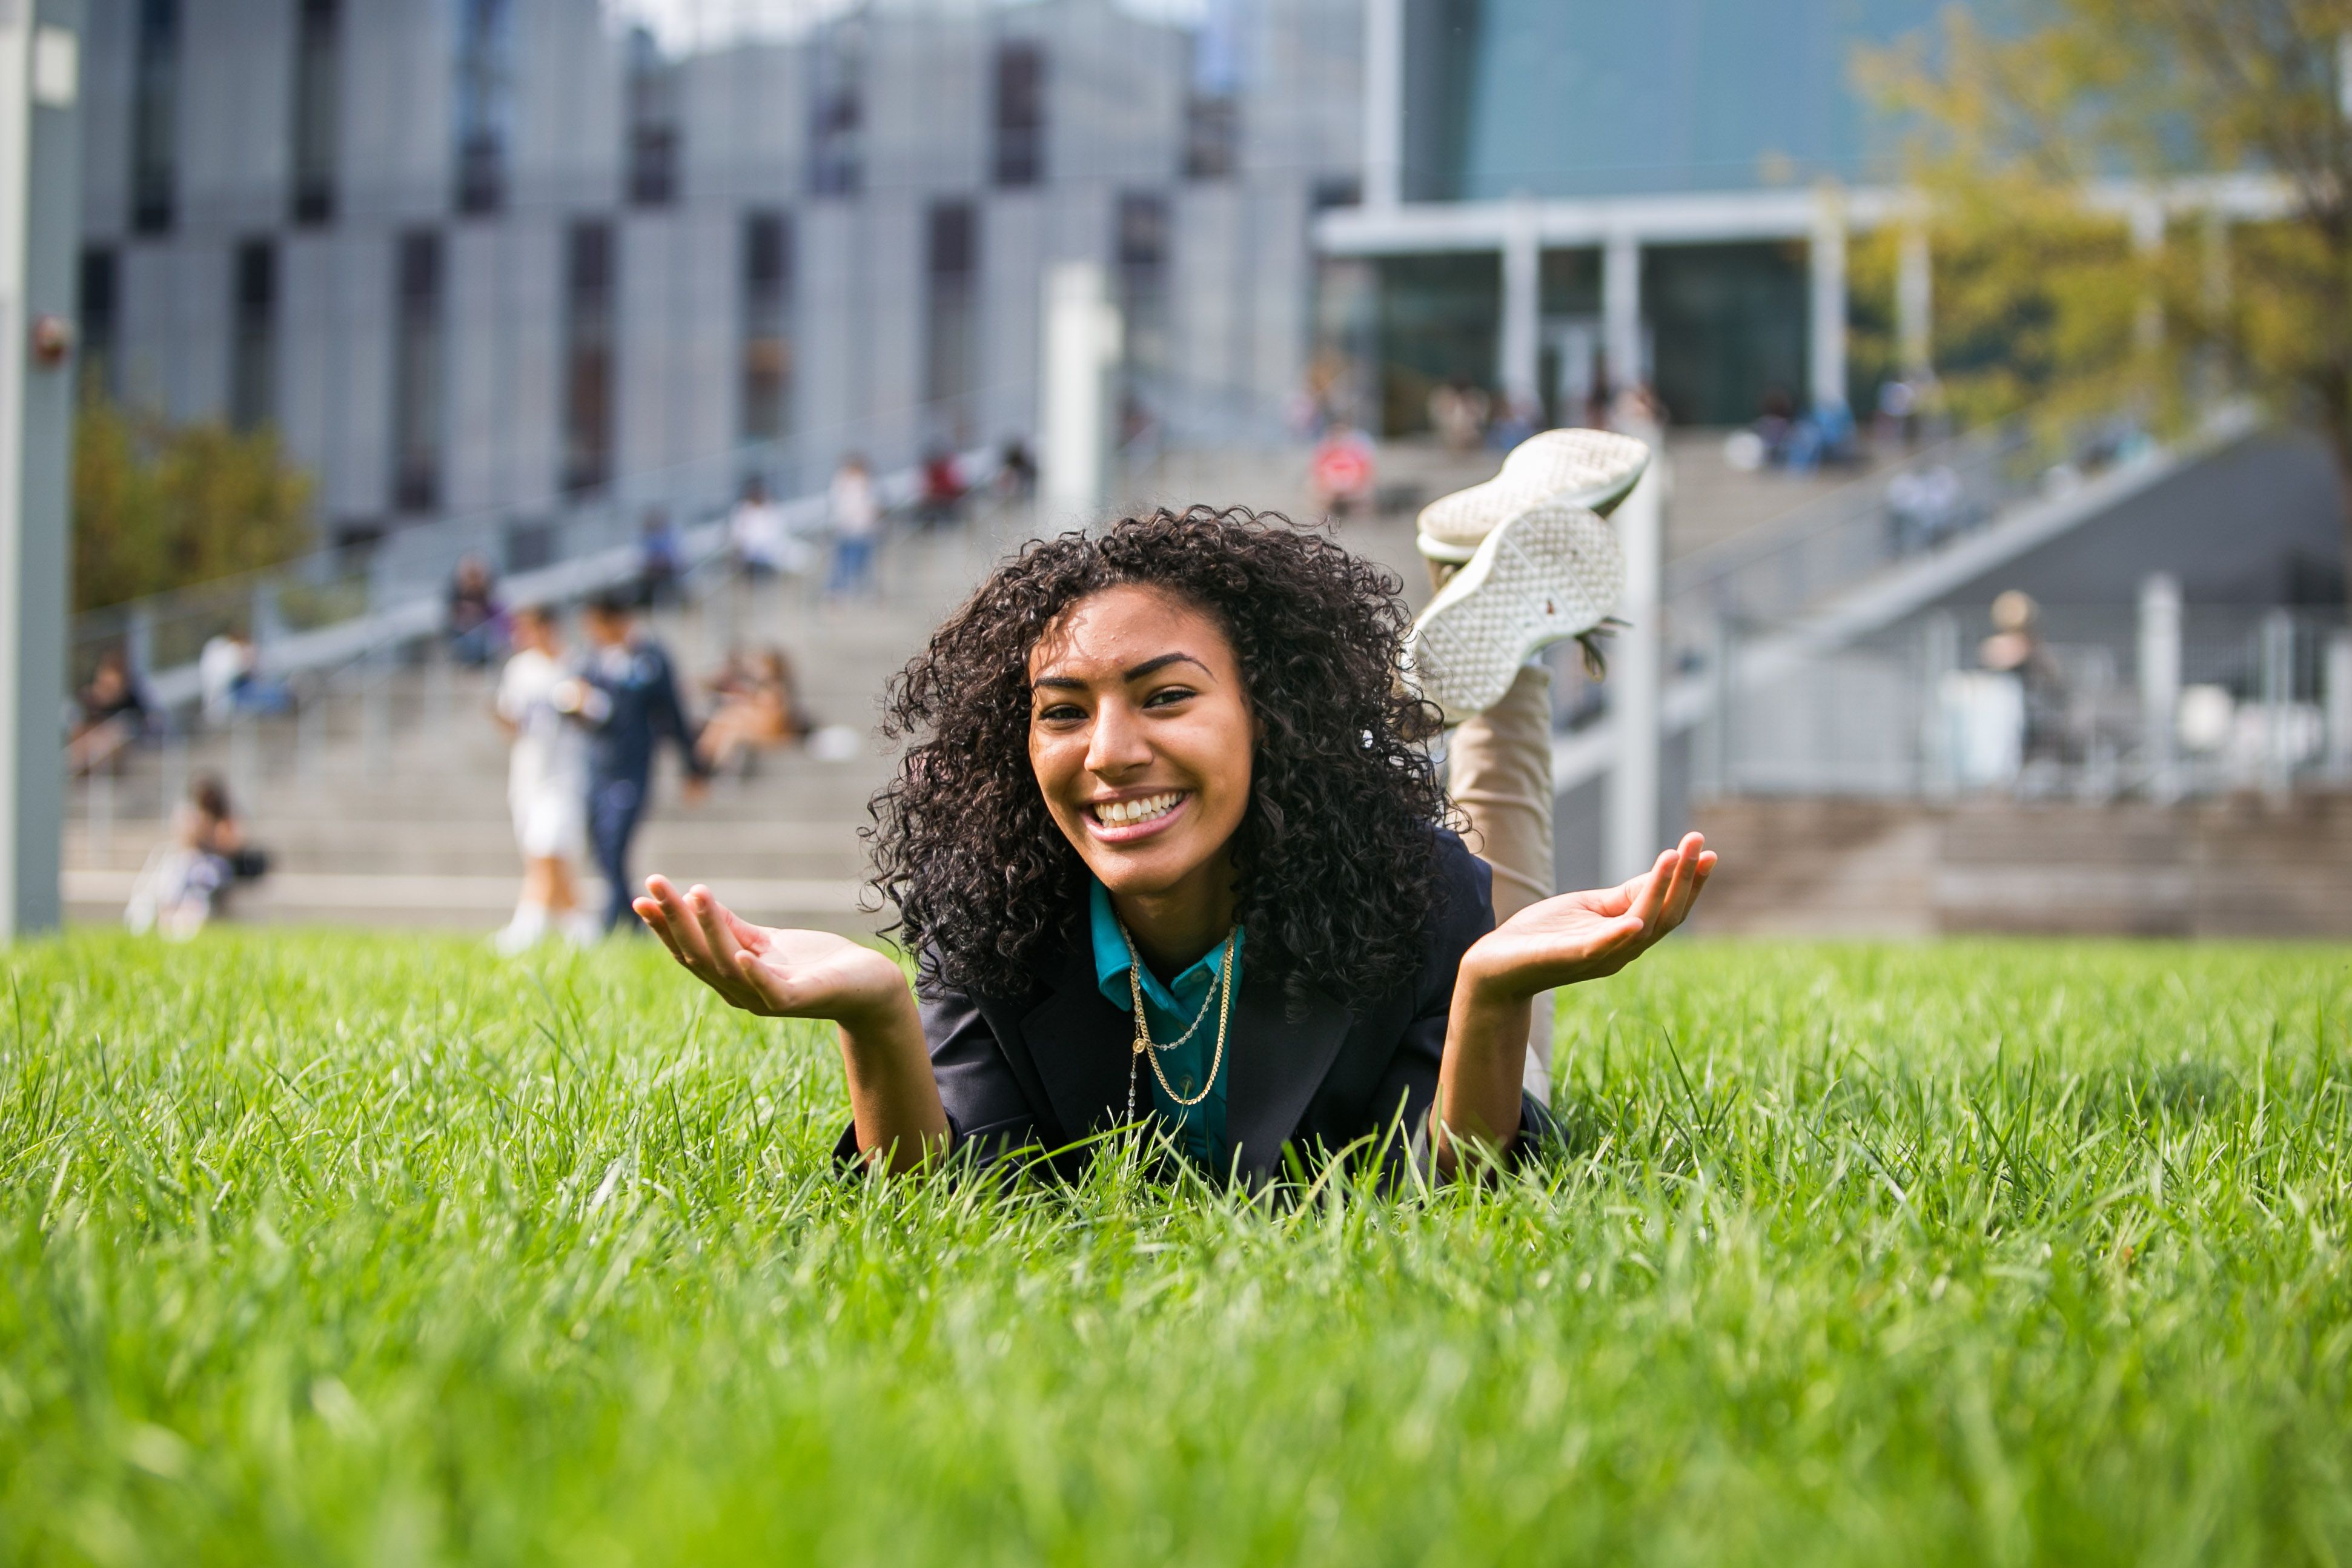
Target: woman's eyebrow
[
  {"x": 1072, "y": 683},
  {"x": 1161, "y": 663}
]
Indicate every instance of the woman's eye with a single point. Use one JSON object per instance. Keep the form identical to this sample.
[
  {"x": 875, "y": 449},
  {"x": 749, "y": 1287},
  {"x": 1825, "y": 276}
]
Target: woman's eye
[
  {"x": 1060, "y": 713},
  {"x": 1167, "y": 695}
]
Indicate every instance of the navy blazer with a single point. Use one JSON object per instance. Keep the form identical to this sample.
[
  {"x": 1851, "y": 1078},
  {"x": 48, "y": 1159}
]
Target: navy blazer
[
  {"x": 1041, "y": 1072},
  {"x": 642, "y": 708}
]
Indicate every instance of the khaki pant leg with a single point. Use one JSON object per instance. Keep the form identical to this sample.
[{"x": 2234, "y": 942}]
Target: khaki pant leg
[{"x": 1499, "y": 771}]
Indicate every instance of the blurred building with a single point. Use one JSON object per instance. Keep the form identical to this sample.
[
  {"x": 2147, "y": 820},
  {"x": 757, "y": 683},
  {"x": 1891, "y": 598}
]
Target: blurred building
[
  {"x": 1561, "y": 195},
  {"x": 482, "y": 256}
]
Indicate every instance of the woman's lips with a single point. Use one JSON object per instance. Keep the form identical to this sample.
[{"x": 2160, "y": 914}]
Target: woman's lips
[{"x": 1128, "y": 832}]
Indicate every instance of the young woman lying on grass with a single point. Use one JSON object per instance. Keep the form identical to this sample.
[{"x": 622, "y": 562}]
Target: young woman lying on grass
[{"x": 1181, "y": 740}]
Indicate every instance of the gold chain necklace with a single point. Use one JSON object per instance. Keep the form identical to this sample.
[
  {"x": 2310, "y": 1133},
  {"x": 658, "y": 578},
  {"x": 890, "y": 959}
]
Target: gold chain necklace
[{"x": 1145, "y": 1045}]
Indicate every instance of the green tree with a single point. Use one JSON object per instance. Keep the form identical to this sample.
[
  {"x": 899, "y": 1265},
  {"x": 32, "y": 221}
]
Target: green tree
[
  {"x": 159, "y": 506},
  {"x": 2059, "y": 282}
]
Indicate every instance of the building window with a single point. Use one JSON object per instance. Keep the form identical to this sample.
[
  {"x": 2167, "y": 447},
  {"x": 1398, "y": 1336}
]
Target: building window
[
  {"x": 484, "y": 102},
  {"x": 101, "y": 314},
  {"x": 154, "y": 117},
  {"x": 1019, "y": 114},
  {"x": 317, "y": 47},
  {"x": 1213, "y": 101},
  {"x": 417, "y": 364},
  {"x": 253, "y": 344},
  {"x": 588, "y": 337},
  {"x": 654, "y": 134},
  {"x": 951, "y": 304},
  {"x": 767, "y": 325},
  {"x": 1141, "y": 250},
  {"x": 837, "y": 130}
]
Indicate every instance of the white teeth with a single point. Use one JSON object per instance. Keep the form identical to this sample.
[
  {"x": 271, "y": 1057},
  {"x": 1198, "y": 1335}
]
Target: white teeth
[{"x": 1125, "y": 813}]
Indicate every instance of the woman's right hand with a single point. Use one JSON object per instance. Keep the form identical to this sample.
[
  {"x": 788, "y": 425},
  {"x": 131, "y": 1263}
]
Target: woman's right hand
[{"x": 771, "y": 972}]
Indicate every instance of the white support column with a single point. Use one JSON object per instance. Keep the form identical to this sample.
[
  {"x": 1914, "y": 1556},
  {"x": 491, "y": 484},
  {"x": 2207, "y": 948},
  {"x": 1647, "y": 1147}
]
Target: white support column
[
  {"x": 2336, "y": 697},
  {"x": 1383, "y": 102},
  {"x": 1636, "y": 654},
  {"x": 1518, "y": 355},
  {"x": 1915, "y": 305},
  {"x": 1073, "y": 421},
  {"x": 1621, "y": 309},
  {"x": 40, "y": 216},
  {"x": 1826, "y": 378},
  {"x": 2159, "y": 683}
]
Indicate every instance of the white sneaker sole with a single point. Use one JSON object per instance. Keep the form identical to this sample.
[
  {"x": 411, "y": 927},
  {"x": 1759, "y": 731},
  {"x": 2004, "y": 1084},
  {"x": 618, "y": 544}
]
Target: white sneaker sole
[
  {"x": 1594, "y": 470},
  {"x": 1544, "y": 576}
]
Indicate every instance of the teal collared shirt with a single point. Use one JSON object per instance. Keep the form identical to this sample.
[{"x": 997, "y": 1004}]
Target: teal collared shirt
[{"x": 1199, "y": 1130}]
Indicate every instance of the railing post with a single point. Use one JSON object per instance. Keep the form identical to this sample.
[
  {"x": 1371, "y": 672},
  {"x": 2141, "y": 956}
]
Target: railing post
[
  {"x": 1939, "y": 659},
  {"x": 375, "y": 716},
  {"x": 2159, "y": 684},
  {"x": 2338, "y": 677},
  {"x": 1713, "y": 767},
  {"x": 2278, "y": 703}
]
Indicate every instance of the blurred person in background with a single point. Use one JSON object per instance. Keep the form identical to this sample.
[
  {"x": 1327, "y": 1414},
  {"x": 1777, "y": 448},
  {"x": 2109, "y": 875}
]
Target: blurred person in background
[
  {"x": 626, "y": 695},
  {"x": 1016, "y": 470},
  {"x": 1457, "y": 411},
  {"x": 942, "y": 502},
  {"x": 756, "y": 535},
  {"x": 1341, "y": 471},
  {"x": 2018, "y": 648},
  {"x": 229, "y": 680},
  {"x": 547, "y": 784},
  {"x": 856, "y": 513},
  {"x": 187, "y": 880},
  {"x": 110, "y": 713},
  {"x": 475, "y": 621},
  {"x": 661, "y": 560},
  {"x": 759, "y": 709}
]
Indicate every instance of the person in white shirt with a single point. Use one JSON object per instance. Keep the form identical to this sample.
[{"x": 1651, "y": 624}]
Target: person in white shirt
[
  {"x": 757, "y": 534},
  {"x": 856, "y": 516},
  {"x": 547, "y": 783}
]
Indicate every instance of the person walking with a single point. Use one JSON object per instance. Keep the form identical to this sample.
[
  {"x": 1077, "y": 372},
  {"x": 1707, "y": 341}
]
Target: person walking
[
  {"x": 856, "y": 516},
  {"x": 547, "y": 784},
  {"x": 626, "y": 695}
]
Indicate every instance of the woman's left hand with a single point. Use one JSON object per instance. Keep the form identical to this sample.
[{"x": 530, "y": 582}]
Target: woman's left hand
[{"x": 1585, "y": 936}]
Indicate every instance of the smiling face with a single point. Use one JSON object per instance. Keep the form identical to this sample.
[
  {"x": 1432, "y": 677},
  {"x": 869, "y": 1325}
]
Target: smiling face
[{"x": 1141, "y": 734}]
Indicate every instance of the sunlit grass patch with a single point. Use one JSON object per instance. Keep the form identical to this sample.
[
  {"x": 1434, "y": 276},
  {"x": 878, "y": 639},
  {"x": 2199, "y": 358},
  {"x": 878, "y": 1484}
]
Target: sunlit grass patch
[{"x": 374, "y": 1249}]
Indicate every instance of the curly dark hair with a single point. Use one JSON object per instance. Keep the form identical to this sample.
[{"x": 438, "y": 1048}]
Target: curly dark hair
[{"x": 1335, "y": 854}]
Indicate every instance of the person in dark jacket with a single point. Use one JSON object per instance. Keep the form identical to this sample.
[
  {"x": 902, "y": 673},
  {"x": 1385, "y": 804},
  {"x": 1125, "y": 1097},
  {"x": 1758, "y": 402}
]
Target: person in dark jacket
[
  {"x": 627, "y": 694},
  {"x": 1171, "y": 854}
]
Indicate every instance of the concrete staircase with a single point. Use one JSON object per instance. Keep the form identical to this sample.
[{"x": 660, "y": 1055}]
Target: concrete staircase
[
  {"x": 2238, "y": 867},
  {"x": 387, "y": 806}
]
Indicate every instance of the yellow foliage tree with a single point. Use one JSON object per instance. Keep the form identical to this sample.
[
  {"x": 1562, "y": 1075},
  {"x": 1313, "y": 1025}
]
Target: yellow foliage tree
[
  {"x": 158, "y": 507},
  {"x": 2142, "y": 204}
]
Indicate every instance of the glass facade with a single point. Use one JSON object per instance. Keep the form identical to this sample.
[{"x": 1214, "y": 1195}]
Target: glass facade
[{"x": 1592, "y": 97}]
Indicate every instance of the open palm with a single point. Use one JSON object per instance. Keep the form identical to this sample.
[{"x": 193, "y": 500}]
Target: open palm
[
  {"x": 1585, "y": 936},
  {"x": 768, "y": 970}
]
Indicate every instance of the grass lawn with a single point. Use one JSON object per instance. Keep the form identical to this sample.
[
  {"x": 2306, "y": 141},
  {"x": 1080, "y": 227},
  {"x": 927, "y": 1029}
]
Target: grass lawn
[{"x": 380, "y": 1250}]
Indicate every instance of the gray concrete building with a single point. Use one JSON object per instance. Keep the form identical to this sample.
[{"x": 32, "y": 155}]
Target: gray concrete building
[{"x": 491, "y": 257}]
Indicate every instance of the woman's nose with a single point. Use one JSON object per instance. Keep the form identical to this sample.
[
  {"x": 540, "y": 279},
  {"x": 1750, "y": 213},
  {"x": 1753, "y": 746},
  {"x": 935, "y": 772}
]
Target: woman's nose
[{"x": 1117, "y": 744}]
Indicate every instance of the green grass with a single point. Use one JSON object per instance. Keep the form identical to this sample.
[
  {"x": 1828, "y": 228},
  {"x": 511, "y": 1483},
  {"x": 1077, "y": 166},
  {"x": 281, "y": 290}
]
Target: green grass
[{"x": 378, "y": 1250}]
